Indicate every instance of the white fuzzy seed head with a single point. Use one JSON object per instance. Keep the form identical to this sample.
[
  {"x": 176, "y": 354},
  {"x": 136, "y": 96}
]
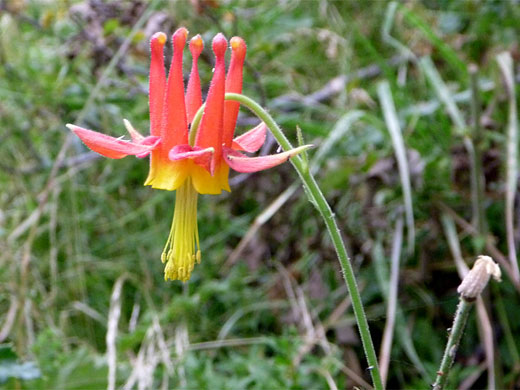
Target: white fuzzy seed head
[{"x": 476, "y": 280}]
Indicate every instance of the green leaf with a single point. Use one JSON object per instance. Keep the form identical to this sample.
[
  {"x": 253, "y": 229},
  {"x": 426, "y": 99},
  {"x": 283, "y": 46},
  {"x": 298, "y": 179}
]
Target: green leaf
[
  {"x": 7, "y": 353},
  {"x": 11, "y": 368}
]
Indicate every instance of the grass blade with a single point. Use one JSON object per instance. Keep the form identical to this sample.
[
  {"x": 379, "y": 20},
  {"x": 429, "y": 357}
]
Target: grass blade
[
  {"x": 386, "y": 35},
  {"x": 447, "y": 53},
  {"x": 442, "y": 91},
  {"x": 391, "y": 309},
  {"x": 402, "y": 332},
  {"x": 111, "y": 336},
  {"x": 392, "y": 122},
  {"x": 478, "y": 138},
  {"x": 505, "y": 62},
  {"x": 445, "y": 95}
]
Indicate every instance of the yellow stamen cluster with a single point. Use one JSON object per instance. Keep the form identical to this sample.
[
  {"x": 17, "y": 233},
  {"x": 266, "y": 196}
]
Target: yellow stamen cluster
[{"x": 182, "y": 248}]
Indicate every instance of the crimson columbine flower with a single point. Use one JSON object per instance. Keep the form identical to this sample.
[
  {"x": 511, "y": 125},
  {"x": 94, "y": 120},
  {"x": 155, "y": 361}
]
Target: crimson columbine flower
[{"x": 175, "y": 164}]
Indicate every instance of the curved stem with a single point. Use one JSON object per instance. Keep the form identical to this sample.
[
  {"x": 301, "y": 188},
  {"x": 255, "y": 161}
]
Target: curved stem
[
  {"x": 195, "y": 124},
  {"x": 317, "y": 198}
]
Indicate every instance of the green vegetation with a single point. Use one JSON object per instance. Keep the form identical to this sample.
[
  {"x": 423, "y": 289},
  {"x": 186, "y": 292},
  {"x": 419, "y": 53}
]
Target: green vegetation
[{"x": 83, "y": 302}]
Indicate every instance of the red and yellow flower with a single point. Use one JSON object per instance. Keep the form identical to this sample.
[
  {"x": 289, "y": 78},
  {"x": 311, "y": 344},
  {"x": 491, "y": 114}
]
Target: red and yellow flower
[{"x": 190, "y": 169}]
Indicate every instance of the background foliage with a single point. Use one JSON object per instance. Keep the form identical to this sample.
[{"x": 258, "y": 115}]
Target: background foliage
[{"x": 81, "y": 238}]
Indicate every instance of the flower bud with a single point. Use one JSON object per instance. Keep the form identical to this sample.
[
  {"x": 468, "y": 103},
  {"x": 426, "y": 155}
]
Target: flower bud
[{"x": 476, "y": 280}]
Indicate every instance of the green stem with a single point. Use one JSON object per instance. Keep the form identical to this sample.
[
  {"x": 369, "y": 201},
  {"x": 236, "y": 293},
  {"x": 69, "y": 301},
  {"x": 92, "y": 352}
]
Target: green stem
[
  {"x": 317, "y": 198},
  {"x": 195, "y": 124},
  {"x": 459, "y": 323}
]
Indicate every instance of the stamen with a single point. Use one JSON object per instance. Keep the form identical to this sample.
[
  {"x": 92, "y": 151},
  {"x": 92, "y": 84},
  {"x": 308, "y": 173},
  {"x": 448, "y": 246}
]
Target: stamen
[{"x": 182, "y": 248}]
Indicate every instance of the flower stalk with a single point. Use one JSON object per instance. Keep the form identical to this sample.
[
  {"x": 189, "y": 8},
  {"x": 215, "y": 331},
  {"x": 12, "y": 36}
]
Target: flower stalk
[
  {"x": 459, "y": 323},
  {"x": 471, "y": 287},
  {"x": 317, "y": 198}
]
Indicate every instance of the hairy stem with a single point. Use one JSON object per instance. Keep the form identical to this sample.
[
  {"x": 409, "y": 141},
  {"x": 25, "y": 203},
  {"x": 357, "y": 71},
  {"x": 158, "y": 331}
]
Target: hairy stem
[
  {"x": 317, "y": 198},
  {"x": 459, "y": 323}
]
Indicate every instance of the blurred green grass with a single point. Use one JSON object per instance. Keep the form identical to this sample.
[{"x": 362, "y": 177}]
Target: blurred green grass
[{"x": 98, "y": 223}]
